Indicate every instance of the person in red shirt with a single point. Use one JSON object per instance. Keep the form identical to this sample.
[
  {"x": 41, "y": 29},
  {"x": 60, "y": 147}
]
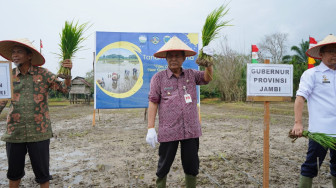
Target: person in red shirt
[{"x": 173, "y": 94}]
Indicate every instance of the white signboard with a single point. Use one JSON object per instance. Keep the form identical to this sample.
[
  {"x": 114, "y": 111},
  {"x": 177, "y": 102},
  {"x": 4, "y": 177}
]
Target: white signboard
[
  {"x": 269, "y": 80},
  {"x": 5, "y": 81}
]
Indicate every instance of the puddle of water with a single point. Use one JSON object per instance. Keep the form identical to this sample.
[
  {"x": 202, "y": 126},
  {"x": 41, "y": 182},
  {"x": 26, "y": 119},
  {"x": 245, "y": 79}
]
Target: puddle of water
[
  {"x": 65, "y": 160},
  {"x": 66, "y": 177},
  {"x": 76, "y": 153},
  {"x": 3, "y": 167},
  {"x": 3, "y": 155},
  {"x": 2, "y": 143},
  {"x": 3, "y": 180},
  {"x": 65, "y": 156},
  {"x": 78, "y": 179}
]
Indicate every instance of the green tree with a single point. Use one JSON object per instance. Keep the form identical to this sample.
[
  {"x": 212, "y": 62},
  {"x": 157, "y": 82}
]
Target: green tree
[
  {"x": 300, "y": 51},
  {"x": 299, "y": 61},
  {"x": 56, "y": 94},
  {"x": 229, "y": 77},
  {"x": 89, "y": 77},
  {"x": 298, "y": 69}
]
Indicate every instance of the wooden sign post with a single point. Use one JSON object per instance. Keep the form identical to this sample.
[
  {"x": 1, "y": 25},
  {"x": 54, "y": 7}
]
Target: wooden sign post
[
  {"x": 266, "y": 145},
  {"x": 268, "y": 83}
]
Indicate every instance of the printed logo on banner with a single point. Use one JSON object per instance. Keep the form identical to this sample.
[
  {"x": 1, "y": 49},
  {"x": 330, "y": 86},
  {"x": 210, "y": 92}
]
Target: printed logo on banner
[
  {"x": 142, "y": 39},
  {"x": 155, "y": 40},
  {"x": 166, "y": 38}
]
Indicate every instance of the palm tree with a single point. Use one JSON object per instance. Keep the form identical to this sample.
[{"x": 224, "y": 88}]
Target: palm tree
[
  {"x": 301, "y": 51},
  {"x": 299, "y": 61},
  {"x": 300, "y": 55}
]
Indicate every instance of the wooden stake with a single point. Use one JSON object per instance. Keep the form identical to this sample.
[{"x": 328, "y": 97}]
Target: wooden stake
[
  {"x": 94, "y": 118},
  {"x": 199, "y": 114},
  {"x": 266, "y": 140},
  {"x": 94, "y": 110},
  {"x": 318, "y": 172},
  {"x": 266, "y": 144},
  {"x": 145, "y": 114},
  {"x": 98, "y": 115}
]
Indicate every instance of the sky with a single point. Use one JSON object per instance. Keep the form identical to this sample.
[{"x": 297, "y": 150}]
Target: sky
[{"x": 251, "y": 20}]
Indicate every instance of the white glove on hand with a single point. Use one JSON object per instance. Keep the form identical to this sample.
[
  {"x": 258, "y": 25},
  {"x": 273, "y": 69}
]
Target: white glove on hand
[
  {"x": 151, "y": 137},
  {"x": 208, "y": 51}
]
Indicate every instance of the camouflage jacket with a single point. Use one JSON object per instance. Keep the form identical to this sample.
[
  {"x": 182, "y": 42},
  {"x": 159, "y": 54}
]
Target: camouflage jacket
[{"x": 28, "y": 118}]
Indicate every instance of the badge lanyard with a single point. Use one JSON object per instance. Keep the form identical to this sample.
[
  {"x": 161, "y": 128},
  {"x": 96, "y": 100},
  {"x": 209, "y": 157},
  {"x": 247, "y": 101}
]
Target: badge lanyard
[{"x": 187, "y": 96}]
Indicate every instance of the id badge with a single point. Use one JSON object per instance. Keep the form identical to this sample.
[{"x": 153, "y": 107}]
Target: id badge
[{"x": 187, "y": 98}]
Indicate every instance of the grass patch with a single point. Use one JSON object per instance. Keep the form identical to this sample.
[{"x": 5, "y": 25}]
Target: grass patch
[
  {"x": 241, "y": 117},
  {"x": 283, "y": 108},
  {"x": 130, "y": 111},
  {"x": 213, "y": 116},
  {"x": 58, "y": 103},
  {"x": 57, "y": 99},
  {"x": 282, "y": 112},
  {"x": 211, "y": 101},
  {"x": 78, "y": 134}
]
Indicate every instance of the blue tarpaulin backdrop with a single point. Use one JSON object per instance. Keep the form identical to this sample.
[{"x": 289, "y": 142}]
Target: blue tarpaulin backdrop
[{"x": 125, "y": 65}]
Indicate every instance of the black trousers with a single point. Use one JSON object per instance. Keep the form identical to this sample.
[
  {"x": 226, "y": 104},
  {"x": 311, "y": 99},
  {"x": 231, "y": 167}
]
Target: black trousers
[
  {"x": 39, "y": 157},
  {"x": 189, "y": 156}
]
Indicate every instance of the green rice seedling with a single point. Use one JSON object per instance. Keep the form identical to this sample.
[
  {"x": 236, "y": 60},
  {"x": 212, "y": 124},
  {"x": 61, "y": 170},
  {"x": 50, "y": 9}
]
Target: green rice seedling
[
  {"x": 71, "y": 38},
  {"x": 210, "y": 31},
  {"x": 325, "y": 140}
]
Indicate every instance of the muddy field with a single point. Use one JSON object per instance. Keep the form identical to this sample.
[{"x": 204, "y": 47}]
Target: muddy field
[{"x": 114, "y": 152}]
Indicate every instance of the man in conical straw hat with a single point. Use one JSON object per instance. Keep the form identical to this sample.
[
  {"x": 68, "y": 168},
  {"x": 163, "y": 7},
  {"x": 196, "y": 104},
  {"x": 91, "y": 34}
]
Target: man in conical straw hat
[
  {"x": 173, "y": 94},
  {"x": 28, "y": 122},
  {"x": 317, "y": 86}
]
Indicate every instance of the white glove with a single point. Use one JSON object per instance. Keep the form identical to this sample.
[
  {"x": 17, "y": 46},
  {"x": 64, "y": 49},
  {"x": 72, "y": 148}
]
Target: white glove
[
  {"x": 208, "y": 51},
  {"x": 151, "y": 137}
]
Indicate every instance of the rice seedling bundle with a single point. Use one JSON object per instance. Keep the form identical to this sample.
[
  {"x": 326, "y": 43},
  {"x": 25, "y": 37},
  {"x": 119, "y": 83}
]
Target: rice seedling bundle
[
  {"x": 71, "y": 39},
  {"x": 210, "y": 31},
  {"x": 325, "y": 140}
]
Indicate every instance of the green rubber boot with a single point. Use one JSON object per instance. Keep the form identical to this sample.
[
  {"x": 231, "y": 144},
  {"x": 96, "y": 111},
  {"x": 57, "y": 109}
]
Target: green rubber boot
[
  {"x": 161, "y": 182},
  {"x": 190, "y": 181},
  {"x": 305, "y": 182},
  {"x": 333, "y": 180}
]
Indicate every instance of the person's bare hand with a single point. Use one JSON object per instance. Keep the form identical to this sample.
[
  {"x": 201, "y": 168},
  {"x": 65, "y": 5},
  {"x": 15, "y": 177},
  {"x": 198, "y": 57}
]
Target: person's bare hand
[{"x": 297, "y": 129}]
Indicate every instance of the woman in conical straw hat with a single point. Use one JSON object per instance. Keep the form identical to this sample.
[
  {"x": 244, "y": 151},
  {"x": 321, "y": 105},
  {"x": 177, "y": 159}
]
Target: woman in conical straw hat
[
  {"x": 173, "y": 94},
  {"x": 317, "y": 86},
  {"x": 28, "y": 122}
]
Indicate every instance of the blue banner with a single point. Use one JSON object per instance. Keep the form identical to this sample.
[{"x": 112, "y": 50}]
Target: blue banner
[{"x": 125, "y": 65}]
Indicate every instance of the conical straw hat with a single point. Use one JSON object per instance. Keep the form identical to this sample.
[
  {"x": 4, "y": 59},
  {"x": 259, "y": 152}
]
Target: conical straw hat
[
  {"x": 6, "y": 48},
  {"x": 314, "y": 52},
  {"x": 174, "y": 44}
]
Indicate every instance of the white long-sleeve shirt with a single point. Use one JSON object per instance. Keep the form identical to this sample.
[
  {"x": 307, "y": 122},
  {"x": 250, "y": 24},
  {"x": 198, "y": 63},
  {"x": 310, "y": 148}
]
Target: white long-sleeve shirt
[{"x": 318, "y": 87}]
